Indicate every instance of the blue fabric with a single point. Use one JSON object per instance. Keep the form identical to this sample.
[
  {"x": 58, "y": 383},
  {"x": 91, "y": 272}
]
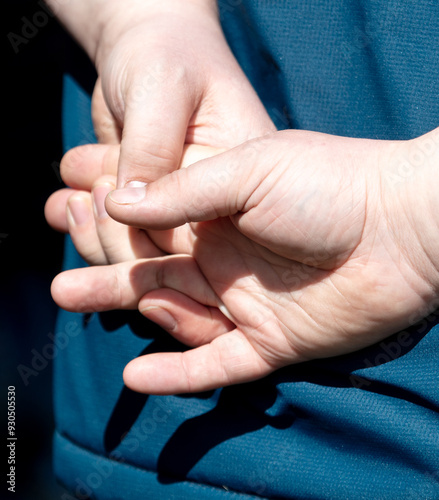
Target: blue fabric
[{"x": 359, "y": 426}]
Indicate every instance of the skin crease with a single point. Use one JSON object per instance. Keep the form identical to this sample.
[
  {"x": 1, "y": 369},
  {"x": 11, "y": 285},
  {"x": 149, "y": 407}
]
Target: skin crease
[
  {"x": 166, "y": 78},
  {"x": 152, "y": 99},
  {"x": 301, "y": 253},
  {"x": 287, "y": 248},
  {"x": 91, "y": 171}
]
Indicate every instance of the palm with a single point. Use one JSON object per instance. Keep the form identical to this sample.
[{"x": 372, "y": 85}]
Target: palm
[
  {"x": 290, "y": 311},
  {"x": 255, "y": 289},
  {"x": 318, "y": 276},
  {"x": 304, "y": 262}
]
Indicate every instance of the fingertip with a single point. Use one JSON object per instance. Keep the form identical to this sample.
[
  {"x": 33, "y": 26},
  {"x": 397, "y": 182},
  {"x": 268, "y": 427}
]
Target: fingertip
[
  {"x": 203, "y": 368},
  {"x": 54, "y": 288},
  {"x": 99, "y": 194},
  {"x": 106, "y": 179},
  {"x": 81, "y": 165},
  {"x": 55, "y": 209},
  {"x": 79, "y": 210},
  {"x": 125, "y": 205},
  {"x": 132, "y": 375},
  {"x": 100, "y": 190},
  {"x": 72, "y": 165},
  {"x": 59, "y": 288},
  {"x": 157, "y": 374}
]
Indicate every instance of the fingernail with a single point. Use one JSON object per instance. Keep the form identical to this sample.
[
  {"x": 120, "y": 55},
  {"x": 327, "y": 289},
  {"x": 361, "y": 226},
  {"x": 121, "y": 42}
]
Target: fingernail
[
  {"x": 160, "y": 316},
  {"x": 135, "y": 184},
  {"x": 99, "y": 195},
  {"x": 126, "y": 196},
  {"x": 78, "y": 211}
]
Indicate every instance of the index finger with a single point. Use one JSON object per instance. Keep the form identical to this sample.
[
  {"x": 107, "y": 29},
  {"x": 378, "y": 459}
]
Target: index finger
[{"x": 81, "y": 166}]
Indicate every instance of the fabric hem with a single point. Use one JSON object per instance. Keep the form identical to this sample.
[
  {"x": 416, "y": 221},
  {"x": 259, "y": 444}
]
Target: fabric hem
[{"x": 89, "y": 475}]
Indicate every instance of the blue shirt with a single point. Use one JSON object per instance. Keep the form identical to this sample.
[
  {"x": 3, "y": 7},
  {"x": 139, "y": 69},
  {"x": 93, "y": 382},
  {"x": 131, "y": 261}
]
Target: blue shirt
[{"x": 358, "y": 426}]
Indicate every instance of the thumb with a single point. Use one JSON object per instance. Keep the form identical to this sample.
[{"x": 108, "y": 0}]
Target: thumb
[
  {"x": 215, "y": 187},
  {"x": 155, "y": 123}
]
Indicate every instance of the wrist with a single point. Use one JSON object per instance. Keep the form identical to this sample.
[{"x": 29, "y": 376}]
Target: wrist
[
  {"x": 96, "y": 24},
  {"x": 80, "y": 19},
  {"x": 119, "y": 18},
  {"x": 426, "y": 151},
  {"x": 412, "y": 184}
]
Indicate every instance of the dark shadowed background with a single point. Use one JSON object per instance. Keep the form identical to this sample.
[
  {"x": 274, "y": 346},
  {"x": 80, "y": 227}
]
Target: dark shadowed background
[{"x": 30, "y": 252}]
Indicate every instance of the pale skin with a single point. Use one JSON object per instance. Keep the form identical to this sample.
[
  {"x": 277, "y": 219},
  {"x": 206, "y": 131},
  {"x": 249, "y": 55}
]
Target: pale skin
[
  {"x": 287, "y": 248},
  {"x": 318, "y": 254},
  {"x": 80, "y": 210},
  {"x": 166, "y": 78}
]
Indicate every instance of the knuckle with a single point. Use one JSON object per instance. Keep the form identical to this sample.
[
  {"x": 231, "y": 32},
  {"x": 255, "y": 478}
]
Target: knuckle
[{"x": 149, "y": 161}]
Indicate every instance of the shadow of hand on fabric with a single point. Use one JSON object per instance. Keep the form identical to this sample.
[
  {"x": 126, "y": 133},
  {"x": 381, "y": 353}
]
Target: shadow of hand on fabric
[
  {"x": 243, "y": 408},
  {"x": 130, "y": 404},
  {"x": 240, "y": 410}
]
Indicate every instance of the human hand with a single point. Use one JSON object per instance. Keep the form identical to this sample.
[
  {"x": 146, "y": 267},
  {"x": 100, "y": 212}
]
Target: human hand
[
  {"x": 166, "y": 77},
  {"x": 80, "y": 209},
  {"x": 298, "y": 239}
]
